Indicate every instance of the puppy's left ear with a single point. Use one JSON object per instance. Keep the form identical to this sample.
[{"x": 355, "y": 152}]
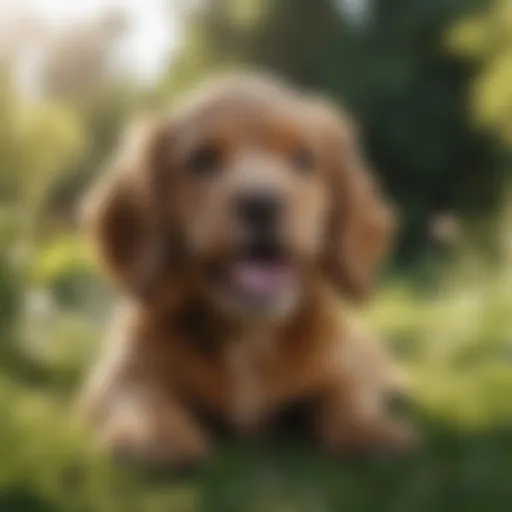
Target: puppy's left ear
[
  {"x": 123, "y": 212},
  {"x": 362, "y": 222}
]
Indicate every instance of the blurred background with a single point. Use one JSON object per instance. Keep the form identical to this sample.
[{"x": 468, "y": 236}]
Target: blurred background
[{"x": 430, "y": 82}]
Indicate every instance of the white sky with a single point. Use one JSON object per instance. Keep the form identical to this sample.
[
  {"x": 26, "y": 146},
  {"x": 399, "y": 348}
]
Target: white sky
[{"x": 152, "y": 36}]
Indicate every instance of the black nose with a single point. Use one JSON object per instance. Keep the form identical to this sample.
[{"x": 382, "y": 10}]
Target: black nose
[{"x": 258, "y": 210}]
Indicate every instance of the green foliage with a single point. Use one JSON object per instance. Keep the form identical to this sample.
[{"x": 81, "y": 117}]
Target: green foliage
[
  {"x": 486, "y": 37},
  {"x": 37, "y": 140},
  {"x": 64, "y": 268},
  {"x": 10, "y": 298}
]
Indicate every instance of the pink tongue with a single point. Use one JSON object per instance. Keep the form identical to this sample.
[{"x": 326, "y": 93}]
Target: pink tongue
[{"x": 259, "y": 278}]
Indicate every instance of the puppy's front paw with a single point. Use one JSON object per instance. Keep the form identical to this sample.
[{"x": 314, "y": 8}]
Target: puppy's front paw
[
  {"x": 147, "y": 443},
  {"x": 363, "y": 437},
  {"x": 391, "y": 436}
]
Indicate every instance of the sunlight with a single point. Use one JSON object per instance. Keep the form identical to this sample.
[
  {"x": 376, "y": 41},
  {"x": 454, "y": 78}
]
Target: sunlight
[{"x": 144, "y": 50}]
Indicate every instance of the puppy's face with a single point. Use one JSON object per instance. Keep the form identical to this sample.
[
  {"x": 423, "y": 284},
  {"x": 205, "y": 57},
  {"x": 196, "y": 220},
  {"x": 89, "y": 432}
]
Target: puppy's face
[
  {"x": 262, "y": 190},
  {"x": 248, "y": 190}
]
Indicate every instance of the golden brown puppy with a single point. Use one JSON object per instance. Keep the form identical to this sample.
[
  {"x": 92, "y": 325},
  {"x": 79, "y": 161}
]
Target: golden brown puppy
[{"x": 234, "y": 227}]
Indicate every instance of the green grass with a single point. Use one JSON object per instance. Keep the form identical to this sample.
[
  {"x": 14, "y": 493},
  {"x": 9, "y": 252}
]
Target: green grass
[
  {"x": 49, "y": 464},
  {"x": 456, "y": 345}
]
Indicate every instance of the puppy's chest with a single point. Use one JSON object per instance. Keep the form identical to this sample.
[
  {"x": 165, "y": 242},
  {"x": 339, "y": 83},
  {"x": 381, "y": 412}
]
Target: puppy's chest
[
  {"x": 250, "y": 369},
  {"x": 250, "y": 379}
]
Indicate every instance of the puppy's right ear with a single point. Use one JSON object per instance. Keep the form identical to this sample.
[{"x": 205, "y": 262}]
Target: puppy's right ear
[{"x": 121, "y": 212}]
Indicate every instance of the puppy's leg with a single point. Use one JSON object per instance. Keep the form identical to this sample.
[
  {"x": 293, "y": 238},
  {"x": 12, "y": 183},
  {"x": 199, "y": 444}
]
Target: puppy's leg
[
  {"x": 350, "y": 419},
  {"x": 154, "y": 430},
  {"x": 138, "y": 419},
  {"x": 352, "y": 412}
]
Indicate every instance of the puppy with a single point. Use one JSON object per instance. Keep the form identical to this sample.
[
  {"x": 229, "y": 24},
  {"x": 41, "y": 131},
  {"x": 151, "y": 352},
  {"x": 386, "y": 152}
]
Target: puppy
[{"x": 235, "y": 228}]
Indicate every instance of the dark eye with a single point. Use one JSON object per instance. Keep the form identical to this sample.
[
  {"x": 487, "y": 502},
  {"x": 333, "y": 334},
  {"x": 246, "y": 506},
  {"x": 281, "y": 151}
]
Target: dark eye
[
  {"x": 303, "y": 160},
  {"x": 205, "y": 160}
]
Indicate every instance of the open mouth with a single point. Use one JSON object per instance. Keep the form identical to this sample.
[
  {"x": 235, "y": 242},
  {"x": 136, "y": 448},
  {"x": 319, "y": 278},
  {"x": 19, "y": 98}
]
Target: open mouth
[
  {"x": 260, "y": 279},
  {"x": 259, "y": 274}
]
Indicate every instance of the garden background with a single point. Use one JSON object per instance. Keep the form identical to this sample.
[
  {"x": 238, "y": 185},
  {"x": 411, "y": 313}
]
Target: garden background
[{"x": 430, "y": 82}]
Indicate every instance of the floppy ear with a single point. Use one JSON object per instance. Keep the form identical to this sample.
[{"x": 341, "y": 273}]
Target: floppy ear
[
  {"x": 121, "y": 212},
  {"x": 362, "y": 223}
]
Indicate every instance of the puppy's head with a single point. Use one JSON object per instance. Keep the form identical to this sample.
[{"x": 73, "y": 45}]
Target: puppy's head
[{"x": 252, "y": 189}]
